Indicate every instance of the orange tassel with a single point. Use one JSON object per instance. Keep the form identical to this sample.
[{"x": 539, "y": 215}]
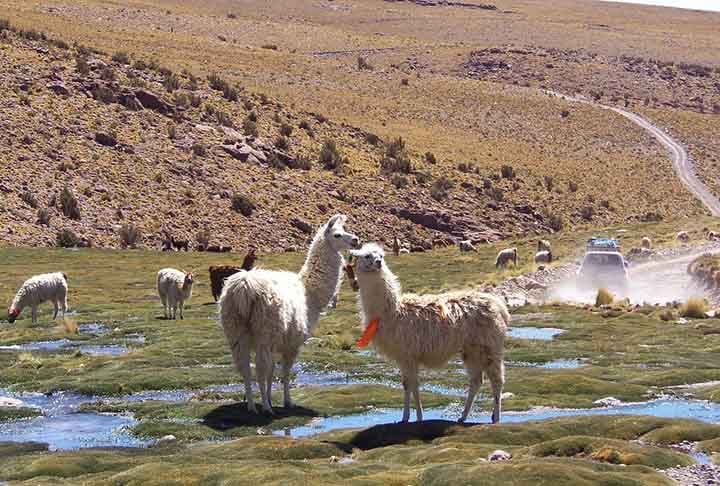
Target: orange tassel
[{"x": 368, "y": 334}]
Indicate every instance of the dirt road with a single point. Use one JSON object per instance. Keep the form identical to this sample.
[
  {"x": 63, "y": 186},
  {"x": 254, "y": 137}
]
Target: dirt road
[{"x": 679, "y": 156}]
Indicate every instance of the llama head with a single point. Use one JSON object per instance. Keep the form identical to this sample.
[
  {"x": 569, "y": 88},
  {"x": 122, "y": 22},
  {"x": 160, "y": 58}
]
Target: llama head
[
  {"x": 338, "y": 238},
  {"x": 369, "y": 258},
  {"x": 13, "y": 314},
  {"x": 189, "y": 279}
]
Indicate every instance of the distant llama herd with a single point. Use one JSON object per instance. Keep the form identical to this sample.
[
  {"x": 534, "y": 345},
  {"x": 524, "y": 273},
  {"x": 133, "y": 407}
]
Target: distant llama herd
[{"x": 272, "y": 313}]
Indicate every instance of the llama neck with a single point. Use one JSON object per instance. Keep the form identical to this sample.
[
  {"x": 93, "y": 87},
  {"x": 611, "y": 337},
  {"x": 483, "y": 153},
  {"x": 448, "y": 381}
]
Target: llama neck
[
  {"x": 321, "y": 275},
  {"x": 380, "y": 294}
]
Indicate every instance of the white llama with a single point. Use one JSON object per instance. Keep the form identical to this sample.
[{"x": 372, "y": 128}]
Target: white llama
[
  {"x": 38, "y": 289},
  {"x": 174, "y": 288},
  {"x": 429, "y": 330},
  {"x": 274, "y": 312}
]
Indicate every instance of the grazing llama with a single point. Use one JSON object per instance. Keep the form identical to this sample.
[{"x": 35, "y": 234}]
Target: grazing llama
[
  {"x": 174, "y": 288},
  {"x": 429, "y": 330},
  {"x": 274, "y": 312},
  {"x": 38, "y": 289},
  {"x": 506, "y": 256}
]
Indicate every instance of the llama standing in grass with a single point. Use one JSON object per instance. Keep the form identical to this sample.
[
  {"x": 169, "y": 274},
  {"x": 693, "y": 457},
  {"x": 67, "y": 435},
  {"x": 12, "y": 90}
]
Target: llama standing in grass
[
  {"x": 429, "y": 330},
  {"x": 174, "y": 288},
  {"x": 38, "y": 289},
  {"x": 274, "y": 312},
  {"x": 506, "y": 256}
]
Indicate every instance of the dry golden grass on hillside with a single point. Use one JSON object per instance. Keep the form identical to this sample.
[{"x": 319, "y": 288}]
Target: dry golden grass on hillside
[{"x": 576, "y": 163}]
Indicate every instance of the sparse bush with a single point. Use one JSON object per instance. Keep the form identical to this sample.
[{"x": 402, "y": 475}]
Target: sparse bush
[
  {"x": 487, "y": 184},
  {"x": 66, "y": 239},
  {"x": 108, "y": 74},
  {"x": 252, "y": 116},
  {"x": 466, "y": 167},
  {"x": 44, "y": 216},
  {"x": 223, "y": 118},
  {"x": 330, "y": 156},
  {"x": 396, "y": 148},
  {"x": 171, "y": 82},
  {"x": 372, "y": 139},
  {"x": 4, "y": 24},
  {"x": 81, "y": 66},
  {"x": 422, "y": 177},
  {"x": 549, "y": 182},
  {"x": 572, "y": 186},
  {"x": 203, "y": 238},
  {"x": 507, "y": 172},
  {"x": 302, "y": 163},
  {"x": 130, "y": 236},
  {"x": 231, "y": 93},
  {"x": 199, "y": 149},
  {"x": 282, "y": 143},
  {"x": 195, "y": 100},
  {"x": 400, "y": 181},
  {"x": 555, "y": 221},
  {"x": 121, "y": 57},
  {"x": 694, "y": 307},
  {"x": 286, "y": 129},
  {"x": 440, "y": 188},
  {"x": 29, "y": 199},
  {"x": 605, "y": 203},
  {"x": 216, "y": 82},
  {"x": 250, "y": 128},
  {"x": 140, "y": 65},
  {"x": 390, "y": 165},
  {"x": 496, "y": 194},
  {"x": 587, "y": 212},
  {"x": 172, "y": 131},
  {"x": 363, "y": 64},
  {"x": 243, "y": 204},
  {"x": 181, "y": 100},
  {"x": 430, "y": 158},
  {"x": 604, "y": 297},
  {"x": 103, "y": 94},
  {"x": 69, "y": 204}
]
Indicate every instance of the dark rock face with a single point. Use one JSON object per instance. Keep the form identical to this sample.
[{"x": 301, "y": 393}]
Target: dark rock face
[
  {"x": 302, "y": 225},
  {"x": 151, "y": 101},
  {"x": 59, "y": 88},
  {"x": 105, "y": 139}
]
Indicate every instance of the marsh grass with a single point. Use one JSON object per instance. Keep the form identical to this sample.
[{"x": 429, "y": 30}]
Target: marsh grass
[{"x": 695, "y": 308}]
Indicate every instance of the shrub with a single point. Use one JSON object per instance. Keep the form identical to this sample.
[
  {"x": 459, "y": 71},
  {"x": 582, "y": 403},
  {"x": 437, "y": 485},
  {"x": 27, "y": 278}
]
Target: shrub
[
  {"x": 422, "y": 177},
  {"x": 252, "y": 116},
  {"x": 507, "y": 172},
  {"x": 216, "y": 82},
  {"x": 286, "y": 129},
  {"x": 466, "y": 167},
  {"x": 372, "y": 139},
  {"x": 695, "y": 308},
  {"x": 555, "y": 221},
  {"x": 604, "y": 297},
  {"x": 121, "y": 57},
  {"x": 230, "y": 93},
  {"x": 430, "y": 158},
  {"x": 572, "y": 186},
  {"x": 363, "y": 64},
  {"x": 203, "y": 238},
  {"x": 496, "y": 193},
  {"x": 181, "y": 100},
  {"x": 103, "y": 94},
  {"x": 4, "y": 24},
  {"x": 396, "y": 148},
  {"x": 400, "y": 181},
  {"x": 140, "y": 65},
  {"x": 400, "y": 165},
  {"x": 250, "y": 128},
  {"x": 487, "y": 184},
  {"x": 69, "y": 204},
  {"x": 549, "y": 182},
  {"x": 605, "y": 203},
  {"x": 107, "y": 74},
  {"x": 171, "y": 82},
  {"x": 223, "y": 118},
  {"x": 67, "y": 239},
  {"x": 44, "y": 216},
  {"x": 439, "y": 189},
  {"x": 282, "y": 143},
  {"x": 172, "y": 131},
  {"x": 243, "y": 204},
  {"x": 199, "y": 149},
  {"x": 130, "y": 236},
  {"x": 587, "y": 212},
  {"x": 330, "y": 156},
  {"x": 81, "y": 66},
  {"x": 29, "y": 199},
  {"x": 302, "y": 163}
]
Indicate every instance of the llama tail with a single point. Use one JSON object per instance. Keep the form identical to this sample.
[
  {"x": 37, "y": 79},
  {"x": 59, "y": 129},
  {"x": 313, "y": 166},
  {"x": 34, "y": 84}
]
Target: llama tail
[{"x": 237, "y": 301}]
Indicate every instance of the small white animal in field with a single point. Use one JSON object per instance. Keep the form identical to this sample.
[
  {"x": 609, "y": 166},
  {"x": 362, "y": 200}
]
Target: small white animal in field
[
  {"x": 544, "y": 245},
  {"x": 646, "y": 243},
  {"x": 506, "y": 256},
  {"x": 466, "y": 245},
  {"x": 543, "y": 257},
  {"x": 174, "y": 288},
  {"x": 404, "y": 251},
  {"x": 273, "y": 313},
  {"x": 51, "y": 287},
  {"x": 429, "y": 330},
  {"x": 683, "y": 236}
]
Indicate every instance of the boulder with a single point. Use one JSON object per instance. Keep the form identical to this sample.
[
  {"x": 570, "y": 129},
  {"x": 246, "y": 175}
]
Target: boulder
[
  {"x": 151, "y": 101},
  {"x": 302, "y": 225},
  {"x": 499, "y": 455},
  {"x": 106, "y": 139},
  {"x": 59, "y": 88}
]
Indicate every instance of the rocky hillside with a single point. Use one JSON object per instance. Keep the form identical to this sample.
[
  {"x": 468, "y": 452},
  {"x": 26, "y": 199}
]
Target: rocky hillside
[{"x": 102, "y": 145}]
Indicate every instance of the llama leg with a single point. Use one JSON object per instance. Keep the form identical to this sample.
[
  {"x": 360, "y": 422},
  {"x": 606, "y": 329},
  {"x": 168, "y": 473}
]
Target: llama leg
[
  {"x": 163, "y": 300},
  {"x": 182, "y": 307},
  {"x": 415, "y": 388},
  {"x": 496, "y": 374},
  {"x": 263, "y": 362},
  {"x": 287, "y": 363},
  {"x": 34, "y": 314},
  {"x": 55, "y": 304},
  {"x": 476, "y": 379},
  {"x": 409, "y": 376},
  {"x": 241, "y": 356},
  {"x": 64, "y": 304},
  {"x": 271, "y": 374}
]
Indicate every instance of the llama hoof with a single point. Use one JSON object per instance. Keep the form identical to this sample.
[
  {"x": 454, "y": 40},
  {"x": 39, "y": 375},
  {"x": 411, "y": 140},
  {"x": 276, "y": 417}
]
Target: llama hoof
[
  {"x": 268, "y": 411},
  {"x": 289, "y": 405},
  {"x": 252, "y": 409}
]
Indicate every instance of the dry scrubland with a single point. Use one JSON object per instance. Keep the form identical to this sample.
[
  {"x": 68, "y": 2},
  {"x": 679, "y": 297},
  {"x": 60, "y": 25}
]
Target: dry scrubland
[{"x": 296, "y": 62}]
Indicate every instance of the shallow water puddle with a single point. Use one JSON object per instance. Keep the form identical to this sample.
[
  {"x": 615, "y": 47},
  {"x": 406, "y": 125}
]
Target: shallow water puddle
[
  {"x": 540, "y": 333},
  {"x": 67, "y": 345},
  {"x": 556, "y": 364},
  {"x": 700, "y": 410}
]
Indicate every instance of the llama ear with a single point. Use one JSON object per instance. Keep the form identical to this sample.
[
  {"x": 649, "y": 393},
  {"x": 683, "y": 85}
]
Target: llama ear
[{"x": 337, "y": 219}]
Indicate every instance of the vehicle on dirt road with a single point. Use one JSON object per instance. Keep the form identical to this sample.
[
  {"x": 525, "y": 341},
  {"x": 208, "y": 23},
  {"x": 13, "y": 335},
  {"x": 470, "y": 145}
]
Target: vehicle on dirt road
[{"x": 603, "y": 266}]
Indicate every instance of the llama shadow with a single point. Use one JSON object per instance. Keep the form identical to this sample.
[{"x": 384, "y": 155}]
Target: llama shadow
[
  {"x": 384, "y": 435},
  {"x": 226, "y": 417}
]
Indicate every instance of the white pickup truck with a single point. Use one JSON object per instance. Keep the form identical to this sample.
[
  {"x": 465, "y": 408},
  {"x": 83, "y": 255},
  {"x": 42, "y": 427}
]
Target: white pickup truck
[{"x": 603, "y": 266}]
